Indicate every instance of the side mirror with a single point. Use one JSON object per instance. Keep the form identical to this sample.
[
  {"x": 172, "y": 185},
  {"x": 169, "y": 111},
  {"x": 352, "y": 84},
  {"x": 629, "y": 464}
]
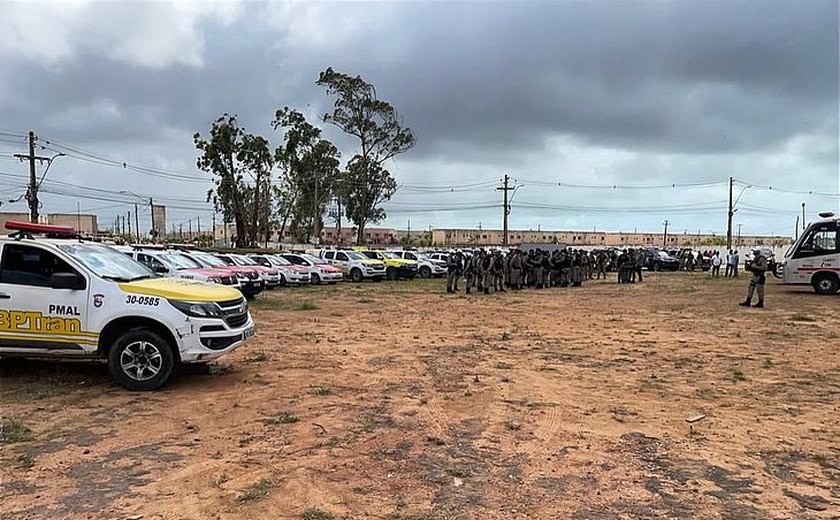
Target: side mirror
[
  {"x": 70, "y": 281},
  {"x": 160, "y": 269}
]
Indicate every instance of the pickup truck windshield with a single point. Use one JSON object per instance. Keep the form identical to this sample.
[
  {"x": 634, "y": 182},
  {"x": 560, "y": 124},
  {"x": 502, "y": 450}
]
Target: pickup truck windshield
[
  {"x": 209, "y": 260},
  {"x": 180, "y": 261},
  {"x": 314, "y": 259},
  {"x": 242, "y": 260},
  {"x": 106, "y": 262}
]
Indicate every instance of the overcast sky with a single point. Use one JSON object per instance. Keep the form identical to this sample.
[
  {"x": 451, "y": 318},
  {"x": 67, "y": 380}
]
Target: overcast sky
[{"x": 624, "y": 93}]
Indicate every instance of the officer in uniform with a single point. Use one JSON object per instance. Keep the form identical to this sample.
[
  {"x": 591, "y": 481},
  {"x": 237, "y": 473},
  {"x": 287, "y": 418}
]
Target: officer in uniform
[
  {"x": 487, "y": 272},
  {"x": 469, "y": 271},
  {"x": 498, "y": 272},
  {"x": 601, "y": 265},
  {"x": 638, "y": 262},
  {"x": 516, "y": 269},
  {"x": 508, "y": 276},
  {"x": 577, "y": 269},
  {"x": 758, "y": 269},
  {"x": 454, "y": 265},
  {"x": 565, "y": 268}
]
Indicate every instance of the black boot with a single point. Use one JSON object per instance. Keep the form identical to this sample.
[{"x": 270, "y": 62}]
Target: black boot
[
  {"x": 745, "y": 303},
  {"x": 449, "y": 291},
  {"x": 759, "y": 305}
]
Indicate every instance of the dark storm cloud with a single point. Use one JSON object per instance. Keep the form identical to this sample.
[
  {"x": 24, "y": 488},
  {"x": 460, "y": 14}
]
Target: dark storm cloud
[
  {"x": 654, "y": 90},
  {"x": 695, "y": 77}
]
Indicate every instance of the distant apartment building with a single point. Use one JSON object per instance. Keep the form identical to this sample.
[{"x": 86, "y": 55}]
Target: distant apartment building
[
  {"x": 84, "y": 224},
  {"x": 494, "y": 237},
  {"x": 373, "y": 236}
]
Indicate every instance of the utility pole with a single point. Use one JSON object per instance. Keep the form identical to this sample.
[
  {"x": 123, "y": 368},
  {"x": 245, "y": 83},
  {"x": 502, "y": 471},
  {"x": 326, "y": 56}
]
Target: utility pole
[
  {"x": 729, "y": 217},
  {"x": 32, "y": 190},
  {"x": 408, "y": 234},
  {"x": 315, "y": 234},
  {"x": 190, "y": 223},
  {"x": 137, "y": 223},
  {"x": 796, "y": 228},
  {"x": 338, "y": 219},
  {"x": 198, "y": 218},
  {"x": 505, "y": 188},
  {"x": 78, "y": 218},
  {"x": 665, "y": 235},
  {"x": 214, "y": 228},
  {"x": 739, "y": 235},
  {"x": 152, "y": 210},
  {"x": 129, "y": 225},
  {"x": 803, "y": 216}
]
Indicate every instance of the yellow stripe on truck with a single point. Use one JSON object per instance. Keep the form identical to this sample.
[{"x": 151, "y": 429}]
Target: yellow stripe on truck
[
  {"x": 40, "y": 338},
  {"x": 180, "y": 289}
]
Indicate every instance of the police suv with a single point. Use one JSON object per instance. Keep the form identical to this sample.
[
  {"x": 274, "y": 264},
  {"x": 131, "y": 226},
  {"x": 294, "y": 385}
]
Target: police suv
[{"x": 61, "y": 296}]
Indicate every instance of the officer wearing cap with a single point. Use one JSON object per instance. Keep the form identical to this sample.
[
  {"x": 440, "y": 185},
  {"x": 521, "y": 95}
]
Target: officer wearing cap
[{"x": 758, "y": 267}]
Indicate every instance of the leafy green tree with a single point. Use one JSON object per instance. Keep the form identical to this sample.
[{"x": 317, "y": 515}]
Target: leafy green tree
[
  {"x": 376, "y": 124},
  {"x": 241, "y": 165},
  {"x": 310, "y": 164}
]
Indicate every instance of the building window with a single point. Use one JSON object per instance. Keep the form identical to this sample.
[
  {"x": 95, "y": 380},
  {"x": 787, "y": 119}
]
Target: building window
[{"x": 483, "y": 236}]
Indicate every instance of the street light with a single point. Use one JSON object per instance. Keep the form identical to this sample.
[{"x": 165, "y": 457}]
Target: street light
[{"x": 49, "y": 163}]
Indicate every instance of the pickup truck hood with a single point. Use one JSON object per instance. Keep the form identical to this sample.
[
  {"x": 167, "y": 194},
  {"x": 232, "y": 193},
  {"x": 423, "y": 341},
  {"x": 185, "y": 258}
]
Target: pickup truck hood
[
  {"x": 207, "y": 271},
  {"x": 180, "y": 289},
  {"x": 372, "y": 263}
]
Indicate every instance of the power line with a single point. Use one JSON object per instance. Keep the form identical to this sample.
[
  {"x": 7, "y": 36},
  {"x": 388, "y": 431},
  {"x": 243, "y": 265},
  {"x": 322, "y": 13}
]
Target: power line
[
  {"x": 562, "y": 184},
  {"x": 792, "y": 191}
]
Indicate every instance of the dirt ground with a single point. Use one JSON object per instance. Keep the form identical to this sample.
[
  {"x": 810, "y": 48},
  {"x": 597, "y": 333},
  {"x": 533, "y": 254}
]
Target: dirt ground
[{"x": 397, "y": 401}]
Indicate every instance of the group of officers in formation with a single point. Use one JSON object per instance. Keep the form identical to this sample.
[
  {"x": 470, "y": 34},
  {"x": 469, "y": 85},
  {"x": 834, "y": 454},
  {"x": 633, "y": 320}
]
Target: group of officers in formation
[{"x": 486, "y": 271}]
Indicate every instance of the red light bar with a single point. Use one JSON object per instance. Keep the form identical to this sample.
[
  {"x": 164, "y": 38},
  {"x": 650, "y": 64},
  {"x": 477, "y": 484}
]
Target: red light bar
[{"x": 43, "y": 229}]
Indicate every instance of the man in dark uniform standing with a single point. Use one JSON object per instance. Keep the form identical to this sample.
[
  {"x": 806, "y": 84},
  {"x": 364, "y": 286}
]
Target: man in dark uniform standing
[
  {"x": 454, "y": 266},
  {"x": 758, "y": 269}
]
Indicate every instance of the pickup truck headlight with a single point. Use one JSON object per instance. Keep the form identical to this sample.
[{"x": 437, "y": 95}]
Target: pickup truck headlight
[{"x": 198, "y": 310}]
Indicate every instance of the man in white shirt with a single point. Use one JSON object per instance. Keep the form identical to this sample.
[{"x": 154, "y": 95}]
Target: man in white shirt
[{"x": 716, "y": 261}]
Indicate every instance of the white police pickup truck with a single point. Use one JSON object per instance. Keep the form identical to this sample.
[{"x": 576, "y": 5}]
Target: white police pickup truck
[{"x": 61, "y": 296}]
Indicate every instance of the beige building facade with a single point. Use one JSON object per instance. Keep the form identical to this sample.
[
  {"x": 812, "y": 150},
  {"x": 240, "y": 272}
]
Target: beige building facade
[
  {"x": 85, "y": 224},
  {"x": 494, "y": 237}
]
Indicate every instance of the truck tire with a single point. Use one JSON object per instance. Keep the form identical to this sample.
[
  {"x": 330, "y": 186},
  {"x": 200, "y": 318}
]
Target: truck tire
[
  {"x": 779, "y": 271},
  {"x": 391, "y": 273},
  {"x": 825, "y": 283},
  {"x": 425, "y": 272},
  {"x": 282, "y": 280},
  {"x": 141, "y": 360},
  {"x": 356, "y": 275}
]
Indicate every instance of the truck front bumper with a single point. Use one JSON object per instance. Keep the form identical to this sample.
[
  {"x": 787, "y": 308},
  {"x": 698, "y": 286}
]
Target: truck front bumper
[{"x": 206, "y": 339}]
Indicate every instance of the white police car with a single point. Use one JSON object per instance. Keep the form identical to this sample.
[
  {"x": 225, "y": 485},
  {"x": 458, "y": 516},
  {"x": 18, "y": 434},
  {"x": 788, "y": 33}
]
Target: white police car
[{"x": 61, "y": 296}]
